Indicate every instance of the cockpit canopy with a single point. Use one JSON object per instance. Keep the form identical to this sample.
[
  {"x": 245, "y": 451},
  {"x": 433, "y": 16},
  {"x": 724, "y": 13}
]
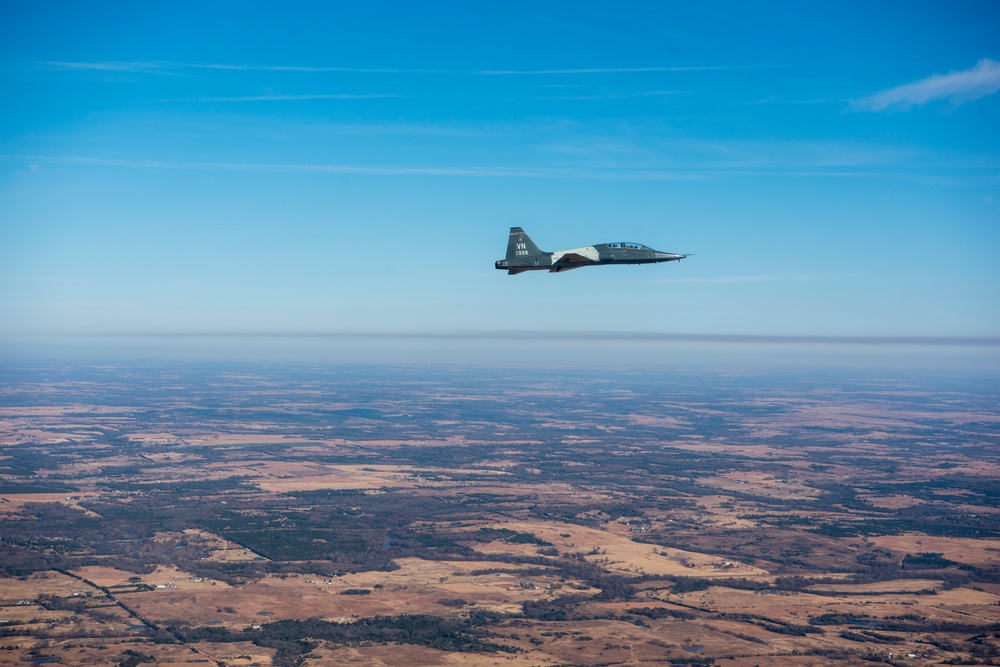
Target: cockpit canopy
[{"x": 630, "y": 246}]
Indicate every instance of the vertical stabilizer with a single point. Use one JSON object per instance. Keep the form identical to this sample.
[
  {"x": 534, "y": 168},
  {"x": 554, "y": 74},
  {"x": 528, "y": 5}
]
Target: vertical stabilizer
[{"x": 522, "y": 251}]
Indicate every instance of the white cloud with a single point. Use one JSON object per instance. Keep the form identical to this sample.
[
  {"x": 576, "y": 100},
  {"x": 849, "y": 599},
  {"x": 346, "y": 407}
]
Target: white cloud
[
  {"x": 614, "y": 96},
  {"x": 956, "y": 87},
  {"x": 111, "y": 66},
  {"x": 463, "y": 171},
  {"x": 605, "y": 172},
  {"x": 285, "y": 98},
  {"x": 595, "y": 70},
  {"x": 166, "y": 67}
]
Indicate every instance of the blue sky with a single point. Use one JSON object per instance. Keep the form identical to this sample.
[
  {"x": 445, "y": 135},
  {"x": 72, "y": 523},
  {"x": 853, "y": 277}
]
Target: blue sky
[{"x": 329, "y": 167}]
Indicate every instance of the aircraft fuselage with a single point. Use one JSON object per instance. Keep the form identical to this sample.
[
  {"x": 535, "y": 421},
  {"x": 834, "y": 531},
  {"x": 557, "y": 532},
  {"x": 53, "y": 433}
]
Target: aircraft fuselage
[{"x": 523, "y": 255}]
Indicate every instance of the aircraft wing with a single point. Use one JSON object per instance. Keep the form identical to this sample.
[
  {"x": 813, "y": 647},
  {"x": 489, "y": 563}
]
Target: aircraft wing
[{"x": 570, "y": 260}]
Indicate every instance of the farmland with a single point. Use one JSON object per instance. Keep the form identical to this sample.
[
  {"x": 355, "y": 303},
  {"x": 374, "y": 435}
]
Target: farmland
[{"x": 369, "y": 515}]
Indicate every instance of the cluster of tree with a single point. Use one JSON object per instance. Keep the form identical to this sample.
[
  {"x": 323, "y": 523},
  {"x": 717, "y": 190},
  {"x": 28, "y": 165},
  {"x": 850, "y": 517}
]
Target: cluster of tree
[
  {"x": 35, "y": 486},
  {"x": 132, "y": 658},
  {"x": 926, "y": 561},
  {"x": 64, "y": 537},
  {"x": 934, "y": 521},
  {"x": 661, "y": 612},
  {"x": 694, "y": 661},
  {"x": 871, "y": 636},
  {"x": 974, "y": 489},
  {"x": 774, "y": 625},
  {"x": 507, "y": 535},
  {"x": 25, "y": 461},
  {"x": 293, "y": 639},
  {"x": 559, "y": 609},
  {"x": 56, "y": 602},
  {"x": 19, "y": 561},
  {"x": 902, "y": 623},
  {"x": 453, "y": 602}
]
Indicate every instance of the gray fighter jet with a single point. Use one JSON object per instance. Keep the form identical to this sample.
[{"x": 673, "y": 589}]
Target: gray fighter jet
[{"x": 524, "y": 255}]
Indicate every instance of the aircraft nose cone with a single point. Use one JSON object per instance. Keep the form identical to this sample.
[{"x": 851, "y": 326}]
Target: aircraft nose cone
[{"x": 668, "y": 256}]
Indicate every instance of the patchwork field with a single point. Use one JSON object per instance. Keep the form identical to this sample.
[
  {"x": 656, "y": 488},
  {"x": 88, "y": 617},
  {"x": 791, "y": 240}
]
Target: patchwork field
[{"x": 383, "y": 516}]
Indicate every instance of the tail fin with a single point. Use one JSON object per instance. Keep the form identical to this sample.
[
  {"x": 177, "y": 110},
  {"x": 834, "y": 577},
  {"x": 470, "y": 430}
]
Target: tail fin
[{"x": 522, "y": 251}]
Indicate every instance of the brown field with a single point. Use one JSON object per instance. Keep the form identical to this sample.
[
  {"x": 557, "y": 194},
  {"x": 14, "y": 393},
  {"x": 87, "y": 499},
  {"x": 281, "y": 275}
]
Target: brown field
[
  {"x": 39, "y": 583},
  {"x": 163, "y": 576},
  {"x": 957, "y": 549},
  {"x": 13, "y": 502},
  {"x": 763, "y": 484},
  {"x": 351, "y": 477},
  {"x": 619, "y": 553},
  {"x": 415, "y": 588},
  {"x": 591, "y": 522},
  {"x": 419, "y": 656}
]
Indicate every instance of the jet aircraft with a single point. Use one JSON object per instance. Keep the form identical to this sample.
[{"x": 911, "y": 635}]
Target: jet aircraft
[{"x": 524, "y": 255}]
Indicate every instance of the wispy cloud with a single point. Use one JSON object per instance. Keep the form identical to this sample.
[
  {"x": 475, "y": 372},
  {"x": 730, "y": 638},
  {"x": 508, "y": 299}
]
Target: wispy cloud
[
  {"x": 597, "y": 70},
  {"x": 287, "y": 98},
  {"x": 166, "y": 67},
  {"x": 111, "y": 66},
  {"x": 600, "y": 172},
  {"x": 956, "y": 87},
  {"x": 798, "y": 99},
  {"x": 614, "y": 96},
  {"x": 650, "y": 147},
  {"x": 472, "y": 171}
]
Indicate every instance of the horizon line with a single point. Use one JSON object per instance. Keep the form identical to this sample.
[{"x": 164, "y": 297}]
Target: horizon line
[{"x": 526, "y": 335}]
